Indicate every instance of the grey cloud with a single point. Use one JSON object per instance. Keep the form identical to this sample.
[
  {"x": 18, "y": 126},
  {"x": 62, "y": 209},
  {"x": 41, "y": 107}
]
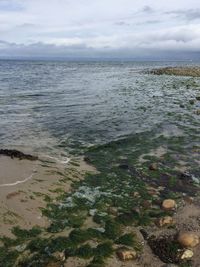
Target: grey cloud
[
  {"x": 147, "y": 9},
  {"x": 26, "y": 26},
  {"x": 144, "y": 50},
  {"x": 122, "y": 23},
  {"x": 189, "y": 14}
]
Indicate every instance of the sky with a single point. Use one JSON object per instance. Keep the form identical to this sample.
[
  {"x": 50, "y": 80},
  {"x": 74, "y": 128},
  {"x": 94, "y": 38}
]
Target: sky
[{"x": 140, "y": 29}]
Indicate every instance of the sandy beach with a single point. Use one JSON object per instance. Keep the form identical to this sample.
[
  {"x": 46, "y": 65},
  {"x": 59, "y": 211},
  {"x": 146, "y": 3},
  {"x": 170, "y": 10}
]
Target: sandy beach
[{"x": 23, "y": 197}]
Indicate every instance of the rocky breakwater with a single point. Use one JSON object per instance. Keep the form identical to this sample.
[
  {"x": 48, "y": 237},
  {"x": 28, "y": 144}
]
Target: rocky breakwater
[{"x": 178, "y": 71}]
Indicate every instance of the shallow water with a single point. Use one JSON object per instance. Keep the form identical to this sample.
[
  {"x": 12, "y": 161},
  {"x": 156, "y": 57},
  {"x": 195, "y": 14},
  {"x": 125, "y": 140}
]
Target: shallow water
[{"x": 49, "y": 107}]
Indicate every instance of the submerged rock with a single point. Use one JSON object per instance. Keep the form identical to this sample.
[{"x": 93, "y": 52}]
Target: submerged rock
[
  {"x": 191, "y": 101},
  {"x": 169, "y": 204},
  {"x": 153, "y": 167},
  {"x": 188, "y": 240},
  {"x": 125, "y": 254}
]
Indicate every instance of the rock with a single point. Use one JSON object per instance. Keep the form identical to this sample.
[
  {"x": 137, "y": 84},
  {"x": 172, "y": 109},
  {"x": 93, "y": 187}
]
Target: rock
[
  {"x": 124, "y": 166},
  {"x": 186, "y": 254},
  {"x": 191, "y": 101},
  {"x": 17, "y": 154},
  {"x": 198, "y": 98},
  {"x": 60, "y": 256},
  {"x": 188, "y": 240},
  {"x": 144, "y": 234},
  {"x": 125, "y": 254},
  {"x": 182, "y": 106},
  {"x": 169, "y": 204},
  {"x": 135, "y": 194},
  {"x": 153, "y": 167},
  {"x": 197, "y": 112},
  {"x": 165, "y": 221}
]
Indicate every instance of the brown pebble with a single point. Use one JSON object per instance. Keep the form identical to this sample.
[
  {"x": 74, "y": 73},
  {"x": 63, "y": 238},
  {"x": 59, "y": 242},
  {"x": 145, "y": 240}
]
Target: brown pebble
[
  {"x": 169, "y": 204},
  {"x": 126, "y": 254},
  {"x": 188, "y": 240},
  {"x": 165, "y": 221}
]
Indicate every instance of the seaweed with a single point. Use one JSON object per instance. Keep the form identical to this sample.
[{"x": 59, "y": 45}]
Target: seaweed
[{"x": 26, "y": 234}]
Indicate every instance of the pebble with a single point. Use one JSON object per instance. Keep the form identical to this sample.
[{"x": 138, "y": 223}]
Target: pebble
[
  {"x": 169, "y": 204},
  {"x": 59, "y": 255},
  {"x": 165, "y": 221},
  {"x": 187, "y": 254},
  {"x": 188, "y": 240},
  {"x": 153, "y": 167},
  {"x": 126, "y": 254}
]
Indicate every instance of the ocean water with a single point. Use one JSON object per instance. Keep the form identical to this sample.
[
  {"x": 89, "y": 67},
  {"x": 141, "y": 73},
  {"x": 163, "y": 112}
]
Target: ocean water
[{"x": 52, "y": 108}]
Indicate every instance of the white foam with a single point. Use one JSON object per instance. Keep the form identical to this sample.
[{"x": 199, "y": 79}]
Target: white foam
[
  {"x": 18, "y": 182},
  {"x": 58, "y": 160}
]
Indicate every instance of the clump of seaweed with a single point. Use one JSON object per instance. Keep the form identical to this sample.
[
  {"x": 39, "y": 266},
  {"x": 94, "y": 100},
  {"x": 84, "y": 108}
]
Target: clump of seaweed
[{"x": 165, "y": 247}]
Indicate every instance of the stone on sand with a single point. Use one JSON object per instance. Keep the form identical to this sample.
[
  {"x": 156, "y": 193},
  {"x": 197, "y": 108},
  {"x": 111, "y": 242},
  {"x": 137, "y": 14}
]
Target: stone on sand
[
  {"x": 186, "y": 254},
  {"x": 126, "y": 254},
  {"x": 188, "y": 240},
  {"x": 165, "y": 221},
  {"x": 169, "y": 204}
]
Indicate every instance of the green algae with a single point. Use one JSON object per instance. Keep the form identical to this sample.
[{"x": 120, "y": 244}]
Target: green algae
[{"x": 130, "y": 240}]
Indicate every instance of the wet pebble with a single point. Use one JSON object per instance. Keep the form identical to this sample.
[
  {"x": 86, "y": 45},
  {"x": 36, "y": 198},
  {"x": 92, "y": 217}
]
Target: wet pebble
[
  {"x": 169, "y": 204},
  {"x": 188, "y": 240}
]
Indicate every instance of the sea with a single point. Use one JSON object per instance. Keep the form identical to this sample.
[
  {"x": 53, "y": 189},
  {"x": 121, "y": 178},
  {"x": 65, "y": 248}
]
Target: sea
[{"x": 58, "y": 108}]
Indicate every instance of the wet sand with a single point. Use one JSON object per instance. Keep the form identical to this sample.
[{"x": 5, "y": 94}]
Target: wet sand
[{"x": 24, "y": 185}]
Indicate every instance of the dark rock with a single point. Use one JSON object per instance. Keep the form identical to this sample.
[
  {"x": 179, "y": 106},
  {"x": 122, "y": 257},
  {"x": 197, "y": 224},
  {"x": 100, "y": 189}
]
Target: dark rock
[
  {"x": 17, "y": 154},
  {"x": 191, "y": 101},
  {"x": 87, "y": 159},
  {"x": 124, "y": 166},
  {"x": 198, "y": 98},
  {"x": 144, "y": 234}
]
